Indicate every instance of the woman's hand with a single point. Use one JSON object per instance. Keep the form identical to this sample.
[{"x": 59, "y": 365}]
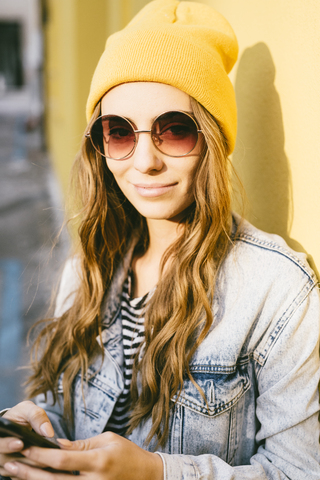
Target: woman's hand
[
  {"x": 104, "y": 457},
  {"x": 28, "y": 414}
]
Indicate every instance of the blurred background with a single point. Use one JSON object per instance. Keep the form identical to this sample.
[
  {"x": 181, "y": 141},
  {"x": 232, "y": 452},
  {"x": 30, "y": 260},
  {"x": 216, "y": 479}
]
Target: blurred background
[{"x": 48, "y": 51}]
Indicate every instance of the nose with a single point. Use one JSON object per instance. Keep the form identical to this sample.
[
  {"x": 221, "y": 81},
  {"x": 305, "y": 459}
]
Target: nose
[{"x": 146, "y": 157}]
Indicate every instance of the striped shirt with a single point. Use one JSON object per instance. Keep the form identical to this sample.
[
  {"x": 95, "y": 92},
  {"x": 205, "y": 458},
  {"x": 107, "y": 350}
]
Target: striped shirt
[{"x": 133, "y": 336}]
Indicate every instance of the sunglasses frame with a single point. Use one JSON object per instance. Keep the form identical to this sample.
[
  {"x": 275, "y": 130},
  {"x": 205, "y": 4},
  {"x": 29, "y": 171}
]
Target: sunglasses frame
[{"x": 137, "y": 132}]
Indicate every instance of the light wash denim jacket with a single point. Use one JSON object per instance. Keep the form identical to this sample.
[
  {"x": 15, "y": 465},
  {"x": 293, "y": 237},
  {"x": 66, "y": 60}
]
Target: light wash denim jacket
[{"x": 258, "y": 368}]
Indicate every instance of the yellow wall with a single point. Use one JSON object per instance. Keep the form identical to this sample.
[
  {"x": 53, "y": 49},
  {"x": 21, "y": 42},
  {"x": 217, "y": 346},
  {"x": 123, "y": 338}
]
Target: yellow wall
[
  {"x": 277, "y": 85},
  {"x": 59, "y": 81}
]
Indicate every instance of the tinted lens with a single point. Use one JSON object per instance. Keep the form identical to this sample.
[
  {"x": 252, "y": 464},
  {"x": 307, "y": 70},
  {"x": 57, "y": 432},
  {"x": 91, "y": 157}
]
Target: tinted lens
[
  {"x": 113, "y": 136},
  {"x": 175, "y": 133}
]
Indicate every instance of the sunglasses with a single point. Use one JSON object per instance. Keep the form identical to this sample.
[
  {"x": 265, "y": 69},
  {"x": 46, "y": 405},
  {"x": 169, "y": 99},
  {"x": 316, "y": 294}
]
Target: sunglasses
[{"x": 173, "y": 133}]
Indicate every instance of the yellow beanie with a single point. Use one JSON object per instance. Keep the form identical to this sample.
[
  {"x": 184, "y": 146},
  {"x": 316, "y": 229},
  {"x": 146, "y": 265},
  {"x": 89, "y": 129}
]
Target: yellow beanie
[{"x": 184, "y": 44}]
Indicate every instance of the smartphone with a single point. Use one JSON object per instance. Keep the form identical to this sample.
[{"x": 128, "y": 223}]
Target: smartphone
[{"x": 29, "y": 437}]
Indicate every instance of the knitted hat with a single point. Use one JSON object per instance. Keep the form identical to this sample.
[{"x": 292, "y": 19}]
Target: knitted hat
[{"x": 184, "y": 44}]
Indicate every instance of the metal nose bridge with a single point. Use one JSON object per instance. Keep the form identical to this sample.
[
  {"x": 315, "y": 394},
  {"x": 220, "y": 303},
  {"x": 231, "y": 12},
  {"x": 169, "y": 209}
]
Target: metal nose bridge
[{"x": 155, "y": 138}]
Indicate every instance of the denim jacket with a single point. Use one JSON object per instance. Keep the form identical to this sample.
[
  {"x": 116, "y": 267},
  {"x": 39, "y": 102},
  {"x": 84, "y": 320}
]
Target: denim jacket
[{"x": 258, "y": 368}]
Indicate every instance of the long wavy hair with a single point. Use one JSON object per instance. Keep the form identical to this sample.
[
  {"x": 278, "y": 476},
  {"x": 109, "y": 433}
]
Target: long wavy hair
[{"x": 179, "y": 314}]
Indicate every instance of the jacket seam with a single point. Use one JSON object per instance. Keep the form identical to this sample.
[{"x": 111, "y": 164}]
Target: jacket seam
[
  {"x": 245, "y": 238},
  {"x": 261, "y": 358},
  {"x": 220, "y": 368}
]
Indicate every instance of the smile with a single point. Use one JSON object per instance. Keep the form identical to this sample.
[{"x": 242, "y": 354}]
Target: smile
[{"x": 154, "y": 189}]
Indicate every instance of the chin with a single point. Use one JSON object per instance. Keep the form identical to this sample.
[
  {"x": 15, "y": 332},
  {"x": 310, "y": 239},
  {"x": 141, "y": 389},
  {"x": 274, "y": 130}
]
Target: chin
[
  {"x": 162, "y": 214},
  {"x": 158, "y": 215}
]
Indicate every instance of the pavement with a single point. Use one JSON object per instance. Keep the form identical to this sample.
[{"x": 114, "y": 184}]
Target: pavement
[{"x": 31, "y": 214}]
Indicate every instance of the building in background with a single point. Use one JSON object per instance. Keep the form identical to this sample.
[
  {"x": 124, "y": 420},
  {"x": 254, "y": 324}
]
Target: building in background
[
  {"x": 21, "y": 53},
  {"x": 11, "y": 54}
]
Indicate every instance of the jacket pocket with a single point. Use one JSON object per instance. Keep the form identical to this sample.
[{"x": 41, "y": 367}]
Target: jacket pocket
[
  {"x": 222, "y": 388},
  {"x": 210, "y": 423}
]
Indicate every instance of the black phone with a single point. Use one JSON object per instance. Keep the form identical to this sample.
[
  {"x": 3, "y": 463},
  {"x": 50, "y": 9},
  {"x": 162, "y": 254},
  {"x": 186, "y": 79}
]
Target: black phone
[{"x": 29, "y": 437}]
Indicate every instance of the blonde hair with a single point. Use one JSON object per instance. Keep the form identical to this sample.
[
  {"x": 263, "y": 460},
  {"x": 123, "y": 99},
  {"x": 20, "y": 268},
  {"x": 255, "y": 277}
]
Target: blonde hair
[{"x": 179, "y": 314}]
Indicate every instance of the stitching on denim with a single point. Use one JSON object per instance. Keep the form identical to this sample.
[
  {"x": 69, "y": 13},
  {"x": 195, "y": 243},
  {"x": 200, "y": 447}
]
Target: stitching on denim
[
  {"x": 196, "y": 471},
  {"x": 182, "y": 413},
  {"x": 104, "y": 387},
  {"x": 97, "y": 383},
  {"x": 95, "y": 377},
  {"x": 221, "y": 407},
  {"x": 90, "y": 413},
  {"x": 262, "y": 357},
  {"x": 246, "y": 238},
  {"x": 219, "y": 368}
]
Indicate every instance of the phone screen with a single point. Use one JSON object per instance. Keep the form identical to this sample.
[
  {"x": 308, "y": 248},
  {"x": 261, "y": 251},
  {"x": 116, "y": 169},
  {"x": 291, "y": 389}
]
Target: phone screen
[{"x": 29, "y": 437}]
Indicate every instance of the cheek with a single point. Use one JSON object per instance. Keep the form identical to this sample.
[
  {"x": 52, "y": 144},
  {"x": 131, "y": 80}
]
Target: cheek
[
  {"x": 190, "y": 173},
  {"x": 117, "y": 168}
]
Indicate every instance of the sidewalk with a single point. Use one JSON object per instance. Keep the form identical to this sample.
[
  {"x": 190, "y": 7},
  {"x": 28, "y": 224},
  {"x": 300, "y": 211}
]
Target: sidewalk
[{"x": 30, "y": 217}]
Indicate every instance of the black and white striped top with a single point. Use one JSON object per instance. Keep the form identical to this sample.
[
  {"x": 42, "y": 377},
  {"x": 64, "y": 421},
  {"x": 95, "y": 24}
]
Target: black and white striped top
[{"x": 133, "y": 336}]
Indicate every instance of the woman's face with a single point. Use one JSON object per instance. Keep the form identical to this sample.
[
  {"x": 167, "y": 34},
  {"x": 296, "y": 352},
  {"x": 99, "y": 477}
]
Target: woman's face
[{"x": 157, "y": 185}]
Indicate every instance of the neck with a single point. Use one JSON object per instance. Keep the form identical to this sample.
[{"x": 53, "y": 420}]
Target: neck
[{"x": 162, "y": 234}]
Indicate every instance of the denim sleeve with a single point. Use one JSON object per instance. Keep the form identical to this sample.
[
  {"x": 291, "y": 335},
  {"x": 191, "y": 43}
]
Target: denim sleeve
[{"x": 287, "y": 409}]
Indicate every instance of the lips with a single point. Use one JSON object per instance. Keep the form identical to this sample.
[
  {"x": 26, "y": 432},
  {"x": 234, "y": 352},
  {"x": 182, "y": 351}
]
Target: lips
[{"x": 153, "y": 189}]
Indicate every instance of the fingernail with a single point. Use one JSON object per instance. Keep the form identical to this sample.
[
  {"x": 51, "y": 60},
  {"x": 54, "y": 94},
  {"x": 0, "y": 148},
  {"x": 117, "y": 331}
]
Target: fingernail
[
  {"x": 11, "y": 467},
  {"x": 16, "y": 444},
  {"x": 64, "y": 442},
  {"x": 47, "y": 430}
]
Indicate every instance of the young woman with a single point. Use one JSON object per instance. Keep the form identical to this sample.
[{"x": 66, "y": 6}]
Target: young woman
[{"x": 185, "y": 342}]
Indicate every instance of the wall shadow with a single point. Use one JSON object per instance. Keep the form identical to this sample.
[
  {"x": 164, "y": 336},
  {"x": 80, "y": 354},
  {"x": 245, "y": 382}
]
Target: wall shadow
[{"x": 259, "y": 157}]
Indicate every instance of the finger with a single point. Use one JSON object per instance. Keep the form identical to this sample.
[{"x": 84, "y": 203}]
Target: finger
[
  {"x": 99, "y": 441},
  {"x": 69, "y": 460},
  {"x": 10, "y": 444},
  {"x": 21, "y": 459},
  {"x": 3, "y": 472},
  {"x": 13, "y": 458},
  {"x": 29, "y": 414},
  {"x": 25, "y": 472},
  {"x": 10, "y": 458}
]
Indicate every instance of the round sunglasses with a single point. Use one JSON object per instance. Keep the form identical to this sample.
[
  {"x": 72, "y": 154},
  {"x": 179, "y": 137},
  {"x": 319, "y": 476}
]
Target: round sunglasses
[{"x": 173, "y": 133}]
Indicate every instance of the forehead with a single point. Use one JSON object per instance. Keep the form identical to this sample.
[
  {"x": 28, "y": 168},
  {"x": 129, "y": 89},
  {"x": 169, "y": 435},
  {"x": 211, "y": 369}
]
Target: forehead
[{"x": 144, "y": 99}]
